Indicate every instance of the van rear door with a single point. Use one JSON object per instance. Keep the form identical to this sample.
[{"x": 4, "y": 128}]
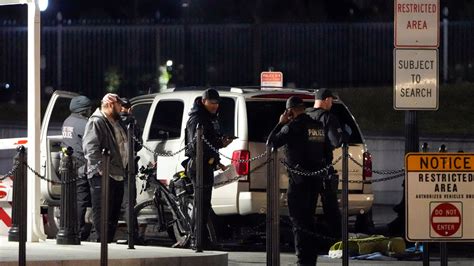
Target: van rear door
[{"x": 50, "y": 143}]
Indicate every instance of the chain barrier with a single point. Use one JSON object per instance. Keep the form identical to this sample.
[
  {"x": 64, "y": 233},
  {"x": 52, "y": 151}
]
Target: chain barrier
[
  {"x": 11, "y": 172},
  {"x": 167, "y": 154},
  {"x": 379, "y": 172},
  {"x": 307, "y": 173},
  {"x": 60, "y": 182},
  {"x": 375, "y": 180},
  {"x": 216, "y": 150}
]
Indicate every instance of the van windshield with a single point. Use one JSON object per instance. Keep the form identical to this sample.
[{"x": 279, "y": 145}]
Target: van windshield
[{"x": 262, "y": 116}]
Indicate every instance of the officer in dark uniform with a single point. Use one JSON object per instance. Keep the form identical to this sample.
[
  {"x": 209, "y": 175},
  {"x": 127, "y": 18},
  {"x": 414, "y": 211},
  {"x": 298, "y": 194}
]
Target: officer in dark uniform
[
  {"x": 73, "y": 131},
  {"x": 204, "y": 113},
  {"x": 304, "y": 140},
  {"x": 334, "y": 138}
]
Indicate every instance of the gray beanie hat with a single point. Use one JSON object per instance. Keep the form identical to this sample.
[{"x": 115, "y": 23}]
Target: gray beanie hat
[{"x": 79, "y": 104}]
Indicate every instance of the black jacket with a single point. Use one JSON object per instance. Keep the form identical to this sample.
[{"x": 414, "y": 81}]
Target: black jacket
[
  {"x": 305, "y": 141},
  {"x": 334, "y": 133},
  {"x": 199, "y": 115},
  {"x": 73, "y": 132}
]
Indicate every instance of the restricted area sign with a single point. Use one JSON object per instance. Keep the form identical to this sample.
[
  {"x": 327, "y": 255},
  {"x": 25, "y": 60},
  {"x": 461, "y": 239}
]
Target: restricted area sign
[
  {"x": 415, "y": 79},
  {"x": 416, "y": 23},
  {"x": 271, "y": 79},
  {"x": 439, "y": 196}
]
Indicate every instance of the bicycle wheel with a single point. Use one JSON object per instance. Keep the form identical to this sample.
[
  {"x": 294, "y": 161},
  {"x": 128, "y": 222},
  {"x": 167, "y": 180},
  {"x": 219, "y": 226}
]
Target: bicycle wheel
[
  {"x": 150, "y": 225},
  {"x": 187, "y": 203}
]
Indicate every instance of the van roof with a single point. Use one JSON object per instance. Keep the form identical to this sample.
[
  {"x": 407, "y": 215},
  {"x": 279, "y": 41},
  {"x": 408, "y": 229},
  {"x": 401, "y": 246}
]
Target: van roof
[{"x": 246, "y": 91}]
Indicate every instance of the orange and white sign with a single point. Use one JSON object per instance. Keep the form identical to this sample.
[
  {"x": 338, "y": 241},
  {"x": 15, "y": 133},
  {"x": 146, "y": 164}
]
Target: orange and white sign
[
  {"x": 271, "y": 79},
  {"x": 416, "y": 23},
  {"x": 439, "y": 196}
]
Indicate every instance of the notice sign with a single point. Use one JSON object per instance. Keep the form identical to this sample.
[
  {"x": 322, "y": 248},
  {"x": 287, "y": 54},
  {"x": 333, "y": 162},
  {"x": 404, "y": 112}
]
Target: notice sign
[
  {"x": 439, "y": 196},
  {"x": 416, "y": 23},
  {"x": 271, "y": 79},
  {"x": 415, "y": 79}
]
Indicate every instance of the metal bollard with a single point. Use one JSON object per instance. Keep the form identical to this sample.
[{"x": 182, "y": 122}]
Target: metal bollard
[
  {"x": 273, "y": 205},
  {"x": 345, "y": 204},
  {"x": 104, "y": 208},
  {"x": 19, "y": 213},
  {"x": 131, "y": 186},
  {"x": 68, "y": 229},
  {"x": 198, "y": 196}
]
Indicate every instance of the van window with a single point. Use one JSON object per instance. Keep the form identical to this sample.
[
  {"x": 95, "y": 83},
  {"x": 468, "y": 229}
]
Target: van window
[
  {"x": 140, "y": 112},
  {"x": 59, "y": 113},
  {"x": 262, "y": 117},
  {"x": 166, "y": 123},
  {"x": 226, "y": 116}
]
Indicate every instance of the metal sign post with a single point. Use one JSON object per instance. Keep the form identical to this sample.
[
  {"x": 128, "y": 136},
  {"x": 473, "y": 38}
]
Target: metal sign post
[{"x": 131, "y": 187}]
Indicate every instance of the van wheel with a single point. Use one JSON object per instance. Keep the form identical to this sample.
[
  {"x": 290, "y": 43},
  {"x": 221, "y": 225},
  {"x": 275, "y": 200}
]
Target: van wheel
[{"x": 364, "y": 223}]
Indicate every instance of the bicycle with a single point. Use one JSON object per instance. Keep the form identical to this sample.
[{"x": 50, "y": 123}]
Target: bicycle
[{"x": 168, "y": 211}]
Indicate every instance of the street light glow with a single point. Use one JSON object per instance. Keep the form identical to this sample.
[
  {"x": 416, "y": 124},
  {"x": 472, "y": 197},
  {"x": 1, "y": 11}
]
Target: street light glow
[{"x": 43, "y": 5}]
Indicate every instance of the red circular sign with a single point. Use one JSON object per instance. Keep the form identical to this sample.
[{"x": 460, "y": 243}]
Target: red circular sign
[{"x": 446, "y": 219}]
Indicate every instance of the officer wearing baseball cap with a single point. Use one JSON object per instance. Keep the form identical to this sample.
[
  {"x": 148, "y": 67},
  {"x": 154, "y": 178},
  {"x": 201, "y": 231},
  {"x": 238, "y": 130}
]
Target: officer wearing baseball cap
[
  {"x": 335, "y": 136},
  {"x": 303, "y": 139}
]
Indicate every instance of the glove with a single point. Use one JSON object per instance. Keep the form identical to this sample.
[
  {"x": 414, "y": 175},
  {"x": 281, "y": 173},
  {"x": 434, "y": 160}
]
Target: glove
[
  {"x": 88, "y": 216},
  {"x": 348, "y": 129}
]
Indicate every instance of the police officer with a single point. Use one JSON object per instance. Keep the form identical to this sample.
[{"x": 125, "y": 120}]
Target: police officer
[
  {"x": 73, "y": 131},
  {"x": 304, "y": 140},
  {"x": 204, "y": 112},
  {"x": 334, "y": 137}
]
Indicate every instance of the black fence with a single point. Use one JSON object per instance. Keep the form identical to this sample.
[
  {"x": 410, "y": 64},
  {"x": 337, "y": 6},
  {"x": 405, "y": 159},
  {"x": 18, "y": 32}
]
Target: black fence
[{"x": 91, "y": 58}]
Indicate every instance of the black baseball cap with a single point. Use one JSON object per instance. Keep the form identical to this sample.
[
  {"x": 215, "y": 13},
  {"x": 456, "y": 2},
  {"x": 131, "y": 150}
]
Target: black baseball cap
[
  {"x": 294, "y": 101},
  {"x": 321, "y": 94},
  {"x": 211, "y": 94}
]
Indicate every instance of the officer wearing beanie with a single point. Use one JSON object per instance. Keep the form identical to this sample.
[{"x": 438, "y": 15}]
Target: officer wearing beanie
[
  {"x": 204, "y": 112},
  {"x": 73, "y": 131},
  {"x": 303, "y": 139}
]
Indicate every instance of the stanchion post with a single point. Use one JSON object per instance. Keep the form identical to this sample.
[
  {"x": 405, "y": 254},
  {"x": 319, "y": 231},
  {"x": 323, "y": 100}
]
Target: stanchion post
[
  {"x": 273, "y": 205},
  {"x": 68, "y": 230},
  {"x": 199, "y": 190},
  {"x": 131, "y": 186},
  {"x": 19, "y": 213},
  {"x": 104, "y": 208},
  {"x": 19, "y": 177},
  {"x": 345, "y": 204}
]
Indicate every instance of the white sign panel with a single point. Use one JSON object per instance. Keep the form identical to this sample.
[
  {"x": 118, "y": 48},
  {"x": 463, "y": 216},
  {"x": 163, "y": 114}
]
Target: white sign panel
[
  {"x": 416, "y": 23},
  {"x": 271, "y": 79},
  {"x": 415, "y": 79},
  {"x": 439, "y": 196}
]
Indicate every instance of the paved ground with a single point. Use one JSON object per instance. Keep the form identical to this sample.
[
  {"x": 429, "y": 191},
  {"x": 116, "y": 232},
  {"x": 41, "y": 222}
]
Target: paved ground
[{"x": 88, "y": 253}]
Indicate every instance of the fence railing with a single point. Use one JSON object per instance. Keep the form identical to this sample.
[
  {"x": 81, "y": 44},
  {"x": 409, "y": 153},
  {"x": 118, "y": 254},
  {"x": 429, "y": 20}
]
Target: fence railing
[{"x": 90, "y": 58}]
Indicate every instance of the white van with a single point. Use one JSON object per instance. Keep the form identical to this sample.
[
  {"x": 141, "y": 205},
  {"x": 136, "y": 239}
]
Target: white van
[
  {"x": 247, "y": 113},
  {"x": 250, "y": 114}
]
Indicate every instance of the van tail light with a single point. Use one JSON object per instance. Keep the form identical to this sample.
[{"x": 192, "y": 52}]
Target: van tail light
[
  {"x": 242, "y": 168},
  {"x": 367, "y": 165}
]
